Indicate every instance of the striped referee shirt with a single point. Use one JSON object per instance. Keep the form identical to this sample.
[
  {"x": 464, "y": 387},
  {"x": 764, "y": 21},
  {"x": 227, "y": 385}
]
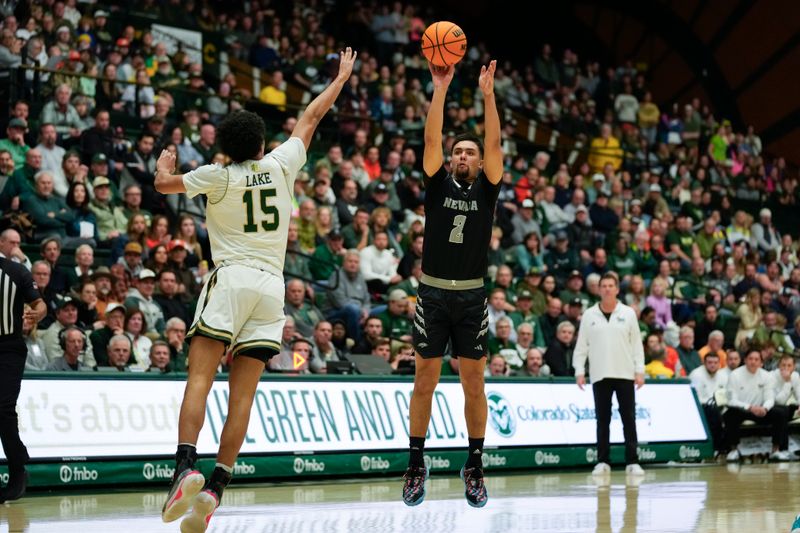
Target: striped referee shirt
[{"x": 16, "y": 289}]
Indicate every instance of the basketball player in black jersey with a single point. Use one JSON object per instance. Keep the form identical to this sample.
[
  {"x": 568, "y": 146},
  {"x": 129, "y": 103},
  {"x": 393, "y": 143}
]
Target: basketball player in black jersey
[{"x": 451, "y": 306}]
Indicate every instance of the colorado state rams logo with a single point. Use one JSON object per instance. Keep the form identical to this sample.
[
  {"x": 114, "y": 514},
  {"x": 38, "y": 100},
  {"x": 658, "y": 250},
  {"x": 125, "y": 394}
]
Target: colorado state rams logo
[{"x": 501, "y": 416}]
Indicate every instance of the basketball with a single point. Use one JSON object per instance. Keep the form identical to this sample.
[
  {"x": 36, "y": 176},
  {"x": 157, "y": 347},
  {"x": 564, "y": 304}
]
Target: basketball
[{"x": 444, "y": 43}]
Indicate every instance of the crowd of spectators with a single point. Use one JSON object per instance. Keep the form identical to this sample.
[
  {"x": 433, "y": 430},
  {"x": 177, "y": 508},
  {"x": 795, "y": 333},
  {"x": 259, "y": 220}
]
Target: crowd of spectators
[{"x": 653, "y": 195}]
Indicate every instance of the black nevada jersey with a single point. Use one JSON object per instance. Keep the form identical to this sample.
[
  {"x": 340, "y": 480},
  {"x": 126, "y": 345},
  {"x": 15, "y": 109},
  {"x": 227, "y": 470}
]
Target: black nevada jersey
[{"x": 458, "y": 226}]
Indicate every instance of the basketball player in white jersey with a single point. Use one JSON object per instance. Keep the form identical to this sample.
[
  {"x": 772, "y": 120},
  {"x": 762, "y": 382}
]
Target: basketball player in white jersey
[{"x": 241, "y": 306}]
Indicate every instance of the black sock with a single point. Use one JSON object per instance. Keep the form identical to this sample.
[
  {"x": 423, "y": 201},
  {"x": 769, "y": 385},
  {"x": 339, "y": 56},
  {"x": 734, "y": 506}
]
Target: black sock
[
  {"x": 416, "y": 448},
  {"x": 475, "y": 457},
  {"x": 218, "y": 481},
  {"x": 185, "y": 458}
]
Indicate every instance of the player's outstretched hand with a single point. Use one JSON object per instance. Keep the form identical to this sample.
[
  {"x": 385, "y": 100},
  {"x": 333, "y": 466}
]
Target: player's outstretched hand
[
  {"x": 442, "y": 76},
  {"x": 166, "y": 162},
  {"x": 346, "y": 61},
  {"x": 486, "y": 79}
]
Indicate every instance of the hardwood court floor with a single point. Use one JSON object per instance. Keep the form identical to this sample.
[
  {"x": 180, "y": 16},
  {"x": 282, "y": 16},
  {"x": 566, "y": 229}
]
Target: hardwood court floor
[{"x": 749, "y": 498}]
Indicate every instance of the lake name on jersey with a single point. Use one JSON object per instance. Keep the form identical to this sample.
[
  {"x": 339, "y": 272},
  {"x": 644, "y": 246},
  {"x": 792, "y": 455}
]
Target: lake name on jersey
[
  {"x": 461, "y": 205},
  {"x": 258, "y": 179}
]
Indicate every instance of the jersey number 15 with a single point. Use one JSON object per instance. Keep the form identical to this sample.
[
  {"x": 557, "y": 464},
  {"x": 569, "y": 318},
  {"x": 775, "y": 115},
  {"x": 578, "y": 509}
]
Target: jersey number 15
[{"x": 268, "y": 210}]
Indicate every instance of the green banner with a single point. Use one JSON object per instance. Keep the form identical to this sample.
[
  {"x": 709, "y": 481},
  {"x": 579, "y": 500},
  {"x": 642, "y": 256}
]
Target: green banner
[{"x": 302, "y": 467}]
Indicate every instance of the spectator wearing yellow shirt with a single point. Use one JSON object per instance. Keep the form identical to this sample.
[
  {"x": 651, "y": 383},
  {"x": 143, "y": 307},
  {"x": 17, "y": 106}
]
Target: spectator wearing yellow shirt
[
  {"x": 605, "y": 150},
  {"x": 655, "y": 352},
  {"x": 273, "y": 94},
  {"x": 648, "y": 118}
]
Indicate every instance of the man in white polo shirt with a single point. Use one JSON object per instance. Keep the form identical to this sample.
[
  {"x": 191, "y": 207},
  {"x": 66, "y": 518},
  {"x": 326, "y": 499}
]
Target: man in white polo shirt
[
  {"x": 751, "y": 396},
  {"x": 706, "y": 380},
  {"x": 609, "y": 337}
]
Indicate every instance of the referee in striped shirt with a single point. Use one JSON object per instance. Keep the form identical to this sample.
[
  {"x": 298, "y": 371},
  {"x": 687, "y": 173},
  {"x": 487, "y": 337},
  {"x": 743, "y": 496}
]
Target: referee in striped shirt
[
  {"x": 609, "y": 337},
  {"x": 16, "y": 288}
]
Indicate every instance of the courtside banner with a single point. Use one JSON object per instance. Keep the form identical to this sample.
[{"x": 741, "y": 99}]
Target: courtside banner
[{"x": 98, "y": 418}]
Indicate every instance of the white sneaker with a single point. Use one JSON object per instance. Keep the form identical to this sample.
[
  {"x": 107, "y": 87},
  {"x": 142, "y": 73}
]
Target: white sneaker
[
  {"x": 634, "y": 470},
  {"x": 782, "y": 455},
  {"x": 601, "y": 468},
  {"x": 733, "y": 456}
]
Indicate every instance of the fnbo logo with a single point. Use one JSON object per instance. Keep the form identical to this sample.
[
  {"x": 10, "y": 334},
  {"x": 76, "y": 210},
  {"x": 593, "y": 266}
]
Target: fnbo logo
[
  {"x": 501, "y": 416},
  {"x": 591, "y": 455},
  {"x": 4, "y": 478},
  {"x": 689, "y": 452},
  {"x": 307, "y": 465}
]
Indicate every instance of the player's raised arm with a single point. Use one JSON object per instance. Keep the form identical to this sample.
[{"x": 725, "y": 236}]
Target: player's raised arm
[
  {"x": 433, "y": 157},
  {"x": 307, "y": 124},
  {"x": 166, "y": 182},
  {"x": 492, "y": 150}
]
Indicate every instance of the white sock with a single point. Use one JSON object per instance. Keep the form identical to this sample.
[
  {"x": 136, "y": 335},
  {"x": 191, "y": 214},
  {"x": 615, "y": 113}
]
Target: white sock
[{"x": 226, "y": 468}]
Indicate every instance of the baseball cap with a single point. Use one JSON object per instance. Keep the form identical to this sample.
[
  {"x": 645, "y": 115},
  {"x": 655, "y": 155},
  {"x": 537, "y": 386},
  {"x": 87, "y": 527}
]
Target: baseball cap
[
  {"x": 562, "y": 236},
  {"x": 99, "y": 158},
  {"x": 416, "y": 175},
  {"x": 18, "y": 123},
  {"x": 575, "y": 274},
  {"x": 100, "y": 13},
  {"x": 636, "y": 201},
  {"x": 23, "y": 34},
  {"x": 397, "y": 295},
  {"x": 655, "y": 187},
  {"x": 65, "y": 301},
  {"x": 335, "y": 235},
  {"x": 103, "y": 272},
  {"x": 527, "y": 203},
  {"x": 535, "y": 270},
  {"x": 133, "y": 248},
  {"x": 146, "y": 273},
  {"x": 122, "y": 42},
  {"x": 381, "y": 187},
  {"x": 576, "y": 302},
  {"x": 114, "y": 306},
  {"x": 598, "y": 177},
  {"x": 176, "y": 243},
  {"x": 101, "y": 181},
  {"x": 62, "y": 28},
  {"x": 581, "y": 209},
  {"x": 524, "y": 293}
]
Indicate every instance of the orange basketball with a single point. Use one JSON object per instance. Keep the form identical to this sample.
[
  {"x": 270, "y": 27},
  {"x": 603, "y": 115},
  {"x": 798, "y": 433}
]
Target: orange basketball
[{"x": 444, "y": 43}]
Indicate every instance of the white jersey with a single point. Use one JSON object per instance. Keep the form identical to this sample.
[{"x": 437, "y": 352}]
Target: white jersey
[{"x": 250, "y": 205}]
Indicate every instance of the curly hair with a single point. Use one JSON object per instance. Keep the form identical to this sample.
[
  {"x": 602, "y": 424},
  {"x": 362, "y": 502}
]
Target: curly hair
[{"x": 241, "y": 135}]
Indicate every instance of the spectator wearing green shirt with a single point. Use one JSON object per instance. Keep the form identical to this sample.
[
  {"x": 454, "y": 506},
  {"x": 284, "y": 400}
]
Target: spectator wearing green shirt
[
  {"x": 646, "y": 263},
  {"x": 772, "y": 331},
  {"x": 395, "y": 320},
  {"x": 681, "y": 240},
  {"x": 501, "y": 340},
  {"x": 410, "y": 285},
  {"x": 111, "y": 222},
  {"x": 622, "y": 260},
  {"x": 574, "y": 288},
  {"x": 531, "y": 283},
  {"x": 15, "y": 141},
  {"x": 525, "y": 315},
  {"x": 328, "y": 256},
  {"x": 709, "y": 236},
  {"x": 356, "y": 235},
  {"x": 305, "y": 314},
  {"x": 48, "y": 212},
  {"x": 21, "y": 182}
]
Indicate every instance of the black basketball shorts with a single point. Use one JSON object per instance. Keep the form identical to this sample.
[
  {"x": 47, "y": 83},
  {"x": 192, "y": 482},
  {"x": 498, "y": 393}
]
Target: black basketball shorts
[{"x": 459, "y": 316}]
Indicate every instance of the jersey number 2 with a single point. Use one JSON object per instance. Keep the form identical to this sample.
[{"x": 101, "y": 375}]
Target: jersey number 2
[
  {"x": 457, "y": 233},
  {"x": 251, "y": 225}
]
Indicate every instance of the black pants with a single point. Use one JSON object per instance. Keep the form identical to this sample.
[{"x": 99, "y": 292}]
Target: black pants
[
  {"x": 12, "y": 364},
  {"x": 627, "y": 411},
  {"x": 714, "y": 419},
  {"x": 775, "y": 417}
]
